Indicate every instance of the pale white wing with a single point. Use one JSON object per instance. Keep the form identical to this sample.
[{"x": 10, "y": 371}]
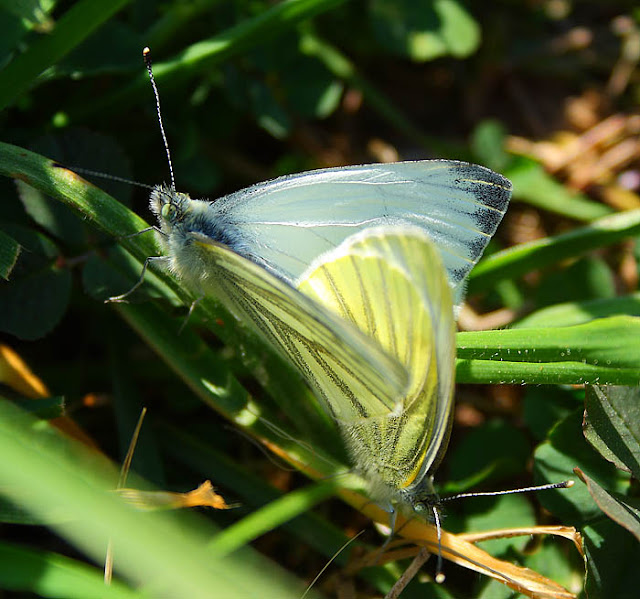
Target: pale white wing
[
  {"x": 286, "y": 223},
  {"x": 390, "y": 283},
  {"x": 340, "y": 363}
]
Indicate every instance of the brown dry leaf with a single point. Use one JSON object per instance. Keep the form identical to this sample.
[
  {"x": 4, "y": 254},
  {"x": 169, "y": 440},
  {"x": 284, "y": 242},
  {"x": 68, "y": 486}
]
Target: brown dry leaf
[
  {"x": 620, "y": 198},
  {"x": 15, "y": 373},
  {"x": 458, "y": 549},
  {"x": 455, "y": 548},
  {"x": 595, "y": 153},
  {"x": 470, "y": 320},
  {"x": 568, "y": 532},
  {"x": 203, "y": 496}
]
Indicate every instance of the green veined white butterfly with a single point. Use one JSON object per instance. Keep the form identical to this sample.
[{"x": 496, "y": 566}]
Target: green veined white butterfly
[
  {"x": 371, "y": 329},
  {"x": 251, "y": 249},
  {"x": 372, "y": 332}
]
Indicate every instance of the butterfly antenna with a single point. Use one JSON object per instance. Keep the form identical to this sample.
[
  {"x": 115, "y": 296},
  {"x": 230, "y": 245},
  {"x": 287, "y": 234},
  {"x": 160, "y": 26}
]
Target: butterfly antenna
[
  {"x": 565, "y": 484},
  {"x": 146, "y": 54},
  {"x": 92, "y": 173},
  {"x": 436, "y": 518}
]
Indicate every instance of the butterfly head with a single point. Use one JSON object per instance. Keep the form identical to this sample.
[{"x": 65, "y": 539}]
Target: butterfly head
[
  {"x": 169, "y": 206},
  {"x": 423, "y": 506},
  {"x": 419, "y": 499}
]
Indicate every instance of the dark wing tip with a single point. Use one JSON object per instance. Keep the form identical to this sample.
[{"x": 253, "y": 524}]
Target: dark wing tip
[{"x": 490, "y": 188}]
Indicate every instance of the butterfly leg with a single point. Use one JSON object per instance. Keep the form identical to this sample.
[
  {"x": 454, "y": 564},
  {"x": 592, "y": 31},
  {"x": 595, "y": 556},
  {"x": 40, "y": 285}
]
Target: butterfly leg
[
  {"x": 192, "y": 307},
  {"x": 121, "y": 298}
]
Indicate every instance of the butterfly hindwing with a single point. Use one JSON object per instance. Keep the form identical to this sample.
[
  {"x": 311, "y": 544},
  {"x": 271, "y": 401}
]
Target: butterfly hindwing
[
  {"x": 390, "y": 283},
  {"x": 338, "y": 361}
]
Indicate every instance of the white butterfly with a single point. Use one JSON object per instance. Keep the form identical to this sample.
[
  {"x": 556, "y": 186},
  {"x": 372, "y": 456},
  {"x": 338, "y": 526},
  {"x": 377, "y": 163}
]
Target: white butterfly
[{"x": 349, "y": 273}]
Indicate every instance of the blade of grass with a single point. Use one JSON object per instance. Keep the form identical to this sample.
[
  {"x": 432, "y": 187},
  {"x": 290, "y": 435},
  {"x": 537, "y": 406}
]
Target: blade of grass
[
  {"x": 205, "y": 55},
  {"x": 518, "y": 260},
  {"x": 606, "y": 349},
  {"x": 571, "y": 313},
  {"x": 53, "y": 575},
  {"x": 533, "y": 185},
  {"x": 78, "y": 483},
  {"x": 271, "y": 517},
  {"x": 485, "y": 372}
]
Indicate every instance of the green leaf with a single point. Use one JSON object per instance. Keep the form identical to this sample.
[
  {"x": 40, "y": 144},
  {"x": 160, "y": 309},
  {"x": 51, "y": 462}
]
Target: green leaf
[
  {"x": 487, "y": 143},
  {"x": 268, "y": 113},
  {"x": 555, "y": 460},
  {"x": 612, "y": 425},
  {"x": 496, "y": 590},
  {"x": 484, "y": 446},
  {"x": 36, "y": 298},
  {"x": 424, "y": 29},
  {"x": 9, "y": 252},
  {"x": 544, "y": 406},
  {"x": 487, "y": 513},
  {"x": 35, "y": 303},
  {"x": 612, "y": 557},
  {"x": 587, "y": 278},
  {"x": 550, "y": 558},
  {"x": 310, "y": 88},
  {"x": 623, "y": 510}
]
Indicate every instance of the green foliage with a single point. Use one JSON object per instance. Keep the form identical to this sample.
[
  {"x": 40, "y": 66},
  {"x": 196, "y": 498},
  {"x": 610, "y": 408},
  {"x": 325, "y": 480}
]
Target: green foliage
[{"x": 251, "y": 90}]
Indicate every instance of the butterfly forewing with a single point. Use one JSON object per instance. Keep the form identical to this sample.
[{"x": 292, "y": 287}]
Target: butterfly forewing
[
  {"x": 390, "y": 283},
  {"x": 337, "y": 360},
  {"x": 292, "y": 220}
]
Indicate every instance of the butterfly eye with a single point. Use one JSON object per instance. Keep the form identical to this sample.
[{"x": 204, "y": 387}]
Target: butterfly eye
[
  {"x": 420, "y": 507},
  {"x": 169, "y": 212}
]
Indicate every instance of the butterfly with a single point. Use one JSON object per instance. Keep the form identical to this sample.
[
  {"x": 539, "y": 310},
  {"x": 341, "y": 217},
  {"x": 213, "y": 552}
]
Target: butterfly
[
  {"x": 286, "y": 223},
  {"x": 351, "y": 274}
]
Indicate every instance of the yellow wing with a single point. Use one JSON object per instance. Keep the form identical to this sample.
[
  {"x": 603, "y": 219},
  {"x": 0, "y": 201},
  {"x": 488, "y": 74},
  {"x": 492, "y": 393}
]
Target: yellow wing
[
  {"x": 340, "y": 363},
  {"x": 390, "y": 283}
]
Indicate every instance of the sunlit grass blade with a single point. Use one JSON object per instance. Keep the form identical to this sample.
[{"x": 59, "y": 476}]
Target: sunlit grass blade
[{"x": 518, "y": 260}]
